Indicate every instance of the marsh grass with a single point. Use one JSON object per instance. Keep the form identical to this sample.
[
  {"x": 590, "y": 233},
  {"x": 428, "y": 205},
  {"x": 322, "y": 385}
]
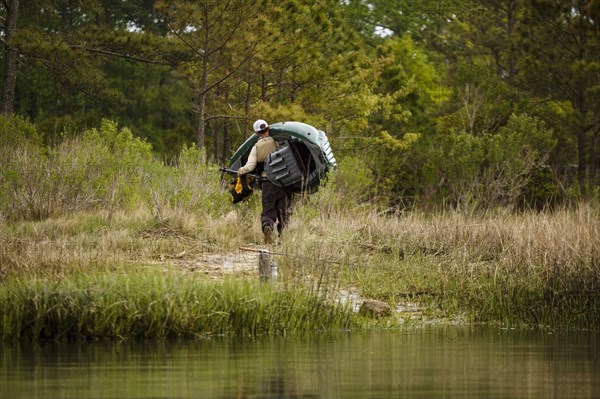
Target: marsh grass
[
  {"x": 529, "y": 268},
  {"x": 95, "y": 209},
  {"x": 539, "y": 269},
  {"x": 534, "y": 268},
  {"x": 152, "y": 304}
]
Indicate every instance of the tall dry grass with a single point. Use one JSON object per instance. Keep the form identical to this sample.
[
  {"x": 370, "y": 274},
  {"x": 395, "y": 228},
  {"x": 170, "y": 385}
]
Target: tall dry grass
[
  {"x": 536, "y": 268},
  {"x": 531, "y": 268}
]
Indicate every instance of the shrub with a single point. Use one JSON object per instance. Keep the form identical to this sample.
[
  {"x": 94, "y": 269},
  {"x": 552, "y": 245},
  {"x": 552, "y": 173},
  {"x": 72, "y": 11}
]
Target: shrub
[
  {"x": 490, "y": 169},
  {"x": 102, "y": 168},
  {"x": 193, "y": 186},
  {"x": 22, "y": 160},
  {"x": 16, "y": 132},
  {"x": 512, "y": 156},
  {"x": 125, "y": 159}
]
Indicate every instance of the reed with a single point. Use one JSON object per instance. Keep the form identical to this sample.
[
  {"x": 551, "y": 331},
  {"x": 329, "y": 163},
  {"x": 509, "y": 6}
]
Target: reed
[
  {"x": 98, "y": 210},
  {"x": 532, "y": 268},
  {"x": 152, "y": 304},
  {"x": 538, "y": 269}
]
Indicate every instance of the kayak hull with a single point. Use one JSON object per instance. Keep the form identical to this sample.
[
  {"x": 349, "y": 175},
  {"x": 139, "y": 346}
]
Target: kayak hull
[{"x": 307, "y": 149}]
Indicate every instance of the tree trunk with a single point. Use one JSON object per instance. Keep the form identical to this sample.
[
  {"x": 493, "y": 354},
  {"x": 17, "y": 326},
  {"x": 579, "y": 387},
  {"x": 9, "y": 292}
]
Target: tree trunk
[
  {"x": 200, "y": 132},
  {"x": 215, "y": 141},
  {"x": 594, "y": 161},
  {"x": 510, "y": 27},
  {"x": 263, "y": 88},
  {"x": 582, "y": 158},
  {"x": 203, "y": 89},
  {"x": 202, "y": 105},
  {"x": 225, "y": 143},
  {"x": 9, "y": 83}
]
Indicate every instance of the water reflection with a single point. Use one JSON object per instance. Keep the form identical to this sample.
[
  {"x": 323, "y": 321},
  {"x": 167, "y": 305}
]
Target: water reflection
[{"x": 450, "y": 362}]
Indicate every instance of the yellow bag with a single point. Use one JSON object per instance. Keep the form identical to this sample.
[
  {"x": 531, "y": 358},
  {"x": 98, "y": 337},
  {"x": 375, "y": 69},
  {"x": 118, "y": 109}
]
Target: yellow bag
[{"x": 241, "y": 188}]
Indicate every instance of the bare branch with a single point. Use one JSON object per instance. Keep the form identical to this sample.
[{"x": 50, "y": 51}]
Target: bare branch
[
  {"x": 226, "y": 39},
  {"x": 119, "y": 55},
  {"x": 180, "y": 37},
  {"x": 227, "y": 76},
  {"x": 208, "y": 118}
]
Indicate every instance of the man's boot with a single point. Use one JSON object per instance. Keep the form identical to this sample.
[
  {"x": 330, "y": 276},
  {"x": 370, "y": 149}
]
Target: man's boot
[{"x": 268, "y": 232}]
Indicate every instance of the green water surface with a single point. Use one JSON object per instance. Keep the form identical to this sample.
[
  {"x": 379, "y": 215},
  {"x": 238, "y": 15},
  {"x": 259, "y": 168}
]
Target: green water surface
[{"x": 425, "y": 362}]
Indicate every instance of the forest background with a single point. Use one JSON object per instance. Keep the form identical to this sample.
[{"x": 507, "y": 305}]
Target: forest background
[
  {"x": 430, "y": 103},
  {"x": 466, "y": 134}
]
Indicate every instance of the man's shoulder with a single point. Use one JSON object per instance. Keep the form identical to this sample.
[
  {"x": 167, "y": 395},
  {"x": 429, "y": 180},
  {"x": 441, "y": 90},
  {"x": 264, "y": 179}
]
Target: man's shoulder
[{"x": 265, "y": 141}]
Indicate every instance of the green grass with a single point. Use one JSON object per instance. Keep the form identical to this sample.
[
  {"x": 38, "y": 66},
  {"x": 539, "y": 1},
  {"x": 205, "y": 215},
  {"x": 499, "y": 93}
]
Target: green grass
[
  {"x": 83, "y": 250},
  {"x": 67, "y": 277},
  {"x": 152, "y": 304}
]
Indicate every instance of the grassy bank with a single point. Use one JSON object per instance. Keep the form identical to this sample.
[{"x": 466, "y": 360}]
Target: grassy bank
[
  {"x": 537, "y": 269},
  {"x": 97, "y": 210},
  {"x": 152, "y": 304},
  {"x": 91, "y": 275}
]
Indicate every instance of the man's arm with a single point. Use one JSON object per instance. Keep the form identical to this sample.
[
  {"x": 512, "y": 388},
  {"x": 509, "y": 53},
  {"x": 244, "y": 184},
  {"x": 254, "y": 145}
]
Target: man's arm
[{"x": 250, "y": 165}]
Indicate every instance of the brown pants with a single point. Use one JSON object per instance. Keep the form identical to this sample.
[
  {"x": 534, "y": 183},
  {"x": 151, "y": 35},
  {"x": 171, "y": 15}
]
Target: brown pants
[{"x": 275, "y": 205}]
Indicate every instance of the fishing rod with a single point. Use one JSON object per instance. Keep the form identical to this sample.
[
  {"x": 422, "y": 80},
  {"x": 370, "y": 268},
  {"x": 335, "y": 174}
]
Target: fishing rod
[{"x": 232, "y": 171}]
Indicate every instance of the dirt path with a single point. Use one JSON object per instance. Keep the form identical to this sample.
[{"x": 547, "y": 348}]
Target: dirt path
[
  {"x": 217, "y": 265},
  {"x": 244, "y": 262}
]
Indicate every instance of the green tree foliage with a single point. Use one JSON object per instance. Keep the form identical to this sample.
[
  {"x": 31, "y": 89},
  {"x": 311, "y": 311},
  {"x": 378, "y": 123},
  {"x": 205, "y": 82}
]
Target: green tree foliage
[
  {"x": 423, "y": 20},
  {"x": 221, "y": 38},
  {"x": 560, "y": 61},
  {"x": 320, "y": 68},
  {"x": 273, "y": 60},
  {"x": 489, "y": 169},
  {"x": 431, "y": 99},
  {"x": 83, "y": 60},
  {"x": 491, "y": 70},
  {"x": 479, "y": 101}
]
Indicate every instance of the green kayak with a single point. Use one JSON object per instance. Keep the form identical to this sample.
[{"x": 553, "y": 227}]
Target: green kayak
[{"x": 302, "y": 160}]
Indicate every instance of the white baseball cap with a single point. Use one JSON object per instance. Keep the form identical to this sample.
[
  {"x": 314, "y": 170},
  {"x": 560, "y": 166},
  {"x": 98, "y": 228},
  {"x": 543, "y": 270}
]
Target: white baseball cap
[{"x": 260, "y": 125}]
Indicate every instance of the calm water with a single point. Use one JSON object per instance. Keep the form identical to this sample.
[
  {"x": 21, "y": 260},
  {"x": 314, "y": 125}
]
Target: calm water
[{"x": 440, "y": 362}]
